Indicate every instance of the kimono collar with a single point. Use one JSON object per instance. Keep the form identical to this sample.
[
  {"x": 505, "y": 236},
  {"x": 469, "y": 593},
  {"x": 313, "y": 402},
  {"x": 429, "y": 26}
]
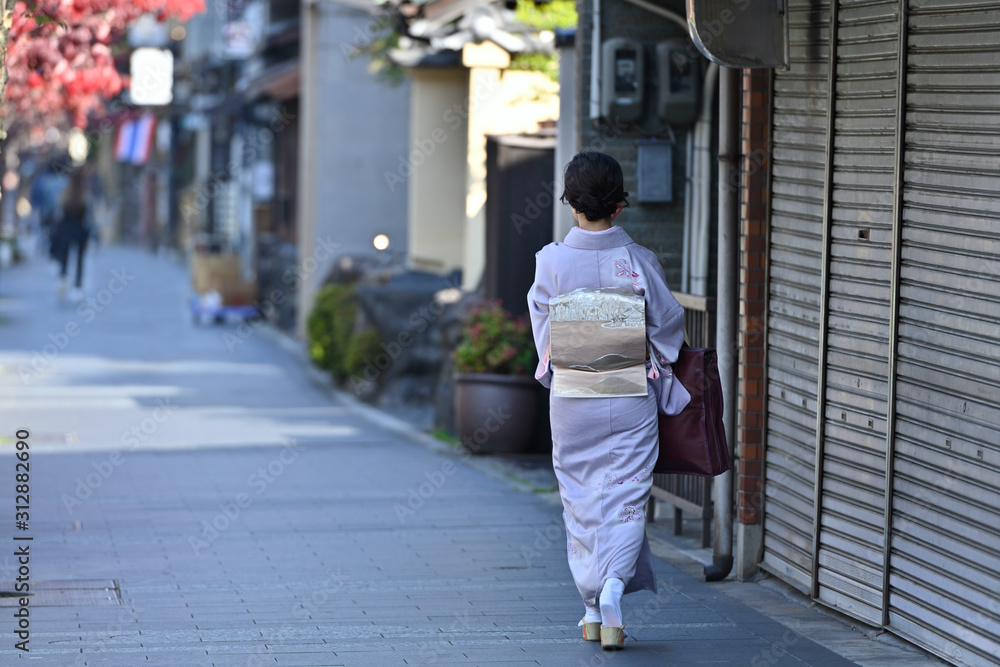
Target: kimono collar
[{"x": 609, "y": 238}]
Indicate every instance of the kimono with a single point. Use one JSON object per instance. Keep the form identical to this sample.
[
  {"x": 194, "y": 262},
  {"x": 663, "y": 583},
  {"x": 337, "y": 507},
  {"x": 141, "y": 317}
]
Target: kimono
[{"x": 604, "y": 449}]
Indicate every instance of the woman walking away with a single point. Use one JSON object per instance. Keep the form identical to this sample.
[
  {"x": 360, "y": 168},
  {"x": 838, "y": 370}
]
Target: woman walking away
[
  {"x": 73, "y": 231},
  {"x": 604, "y": 421}
]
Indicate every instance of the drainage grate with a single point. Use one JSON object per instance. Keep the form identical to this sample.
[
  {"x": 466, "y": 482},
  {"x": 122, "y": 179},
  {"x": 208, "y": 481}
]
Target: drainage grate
[{"x": 64, "y": 593}]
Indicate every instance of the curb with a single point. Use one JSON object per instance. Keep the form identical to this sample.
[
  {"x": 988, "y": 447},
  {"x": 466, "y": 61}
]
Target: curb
[
  {"x": 382, "y": 419},
  {"x": 494, "y": 467}
]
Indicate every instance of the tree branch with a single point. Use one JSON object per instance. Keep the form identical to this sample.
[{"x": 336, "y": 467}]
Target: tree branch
[{"x": 6, "y": 18}]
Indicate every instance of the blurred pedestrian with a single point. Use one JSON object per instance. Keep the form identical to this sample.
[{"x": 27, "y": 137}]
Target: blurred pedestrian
[
  {"x": 604, "y": 447},
  {"x": 45, "y": 196},
  {"x": 73, "y": 230}
]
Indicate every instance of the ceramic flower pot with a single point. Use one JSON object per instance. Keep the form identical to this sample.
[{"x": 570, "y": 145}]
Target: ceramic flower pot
[{"x": 495, "y": 414}]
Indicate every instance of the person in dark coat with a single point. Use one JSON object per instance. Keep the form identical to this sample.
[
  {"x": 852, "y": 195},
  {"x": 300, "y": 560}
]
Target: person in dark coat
[{"x": 73, "y": 230}]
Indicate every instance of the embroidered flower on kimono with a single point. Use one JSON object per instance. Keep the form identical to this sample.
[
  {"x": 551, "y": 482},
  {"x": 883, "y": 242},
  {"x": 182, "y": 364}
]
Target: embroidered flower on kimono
[
  {"x": 623, "y": 268},
  {"x": 643, "y": 474},
  {"x": 631, "y": 513},
  {"x": 610, "y": 479},
  {"x": 575, "y": 550}
]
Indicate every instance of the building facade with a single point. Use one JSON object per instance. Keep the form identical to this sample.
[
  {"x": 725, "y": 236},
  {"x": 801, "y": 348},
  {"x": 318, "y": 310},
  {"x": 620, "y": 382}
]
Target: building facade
[
  {"x": 881, "y": 458},
  {"x": 354, "y": 129},
  {"x": 662, "y": 226}
]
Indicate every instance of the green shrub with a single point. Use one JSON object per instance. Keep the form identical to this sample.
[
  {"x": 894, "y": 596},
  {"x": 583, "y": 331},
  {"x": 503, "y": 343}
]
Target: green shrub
[
  {"x": 362, "y": 349},
  {"x": 329, "y": 326}
]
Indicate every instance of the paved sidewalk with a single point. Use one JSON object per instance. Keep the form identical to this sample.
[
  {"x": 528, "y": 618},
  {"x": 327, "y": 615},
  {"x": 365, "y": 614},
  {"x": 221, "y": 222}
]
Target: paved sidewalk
[{"x": 239, "y": 515}]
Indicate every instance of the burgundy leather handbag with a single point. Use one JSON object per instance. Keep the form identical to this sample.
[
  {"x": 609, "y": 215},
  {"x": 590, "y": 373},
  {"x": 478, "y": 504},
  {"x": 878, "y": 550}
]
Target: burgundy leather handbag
[{"x": 694, "y": 441}]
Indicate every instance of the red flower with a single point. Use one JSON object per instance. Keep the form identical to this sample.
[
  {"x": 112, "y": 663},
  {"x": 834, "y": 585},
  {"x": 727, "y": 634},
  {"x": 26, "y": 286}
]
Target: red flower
[{"x": 494, "y": 342}]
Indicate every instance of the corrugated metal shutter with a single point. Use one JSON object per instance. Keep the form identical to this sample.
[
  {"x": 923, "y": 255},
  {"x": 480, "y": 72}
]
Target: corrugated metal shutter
[
  {"x": 852, "y": 506},
  {"x": 944, "y": 567},
  {"x": 797, "y": 161}
]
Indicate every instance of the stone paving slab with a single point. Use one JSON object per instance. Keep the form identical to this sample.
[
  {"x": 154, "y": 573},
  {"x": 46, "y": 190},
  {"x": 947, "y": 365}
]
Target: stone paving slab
[{"x": 264, "y": 522}]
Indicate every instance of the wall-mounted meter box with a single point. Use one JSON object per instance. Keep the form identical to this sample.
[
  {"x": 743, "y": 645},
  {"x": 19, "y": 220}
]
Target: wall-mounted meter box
[
  {"x": 655, "y": 171},
  {"x": 679, "y": 79},
  {"x": 622, "y": 80}
]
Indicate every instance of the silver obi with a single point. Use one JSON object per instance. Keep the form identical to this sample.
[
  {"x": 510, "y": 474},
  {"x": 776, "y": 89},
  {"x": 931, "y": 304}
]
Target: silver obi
[{"x": 598, "y": 343}]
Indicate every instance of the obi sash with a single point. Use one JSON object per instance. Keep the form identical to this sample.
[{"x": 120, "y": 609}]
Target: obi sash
[{"x": 598, "y": 343}]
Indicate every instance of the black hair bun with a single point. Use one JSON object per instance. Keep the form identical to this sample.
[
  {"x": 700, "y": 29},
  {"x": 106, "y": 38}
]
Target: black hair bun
[{"x": 594, "y": 185}]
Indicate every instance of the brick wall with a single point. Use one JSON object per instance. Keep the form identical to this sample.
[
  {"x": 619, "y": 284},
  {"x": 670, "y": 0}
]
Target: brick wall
[{"x": 754, "y": 138}]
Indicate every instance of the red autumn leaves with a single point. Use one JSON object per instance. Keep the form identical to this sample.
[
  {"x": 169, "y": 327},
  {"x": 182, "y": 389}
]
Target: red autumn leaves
[{"x": 59, "y": 56}]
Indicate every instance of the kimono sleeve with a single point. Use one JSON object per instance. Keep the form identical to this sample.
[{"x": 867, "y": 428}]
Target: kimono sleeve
[
  {"x": 538, "y": 308},
  {"x": 665, "y": 331}
]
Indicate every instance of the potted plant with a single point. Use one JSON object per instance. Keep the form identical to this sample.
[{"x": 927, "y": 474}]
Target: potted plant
[{"x": 496, "y": 395}]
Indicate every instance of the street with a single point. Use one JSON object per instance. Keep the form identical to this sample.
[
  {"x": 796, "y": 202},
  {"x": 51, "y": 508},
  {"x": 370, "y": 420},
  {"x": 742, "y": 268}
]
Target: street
[{"x": 195, "y": 501}]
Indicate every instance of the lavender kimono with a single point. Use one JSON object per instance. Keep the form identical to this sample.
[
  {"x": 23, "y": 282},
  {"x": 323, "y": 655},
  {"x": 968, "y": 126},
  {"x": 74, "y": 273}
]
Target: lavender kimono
[{"x": 604, "y": 448}]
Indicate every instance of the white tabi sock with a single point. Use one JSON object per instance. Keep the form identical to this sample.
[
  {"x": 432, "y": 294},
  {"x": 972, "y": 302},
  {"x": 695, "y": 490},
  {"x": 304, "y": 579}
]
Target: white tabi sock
[
  {"x": 591, "y": 615},
  {"x": 611, "y": 603}
]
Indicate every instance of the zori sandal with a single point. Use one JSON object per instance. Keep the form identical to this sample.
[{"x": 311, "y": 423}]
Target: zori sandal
[
  {"x": 591, "y": 630},
  {"x": 613, "y": 639}
]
